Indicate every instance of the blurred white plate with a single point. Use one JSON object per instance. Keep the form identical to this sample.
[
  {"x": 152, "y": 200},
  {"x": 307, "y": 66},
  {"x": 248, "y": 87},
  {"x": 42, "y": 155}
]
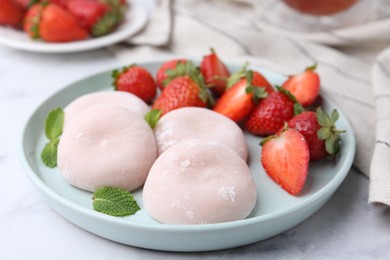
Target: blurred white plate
[
  {"x": 275, "y": 210},
  {"x": 136, "y": 17}
]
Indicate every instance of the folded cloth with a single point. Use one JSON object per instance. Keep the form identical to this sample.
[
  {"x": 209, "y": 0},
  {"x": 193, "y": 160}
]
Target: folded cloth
[
  {"x": 229, "y": 28},
  {"x": 380, "y": 166}
]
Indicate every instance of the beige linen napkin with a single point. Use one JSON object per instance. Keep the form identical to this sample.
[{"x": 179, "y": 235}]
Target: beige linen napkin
[
  {"x": 380, "y": 166},
  {"x": 228, "y": 26}
]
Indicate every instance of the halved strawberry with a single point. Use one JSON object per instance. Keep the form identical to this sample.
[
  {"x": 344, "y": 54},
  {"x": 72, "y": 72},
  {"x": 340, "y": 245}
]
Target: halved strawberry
[
  {"x": 166, "y": 72},
  {"x": 184, "y": 91},
  {"x": 239, "y": 99},
  {"x": 305, "y": 86},
  {"x": 135, "y": 80},
  {"x": 215, "y": 73},
  {"x": 272, "y": 112},
  {"x": 319, "y": 131},
  {"x": 285, "y": 158}
]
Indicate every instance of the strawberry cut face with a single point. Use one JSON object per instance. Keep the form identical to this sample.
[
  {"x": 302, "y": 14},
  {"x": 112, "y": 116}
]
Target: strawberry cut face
[{"x": 285, "y": 158}]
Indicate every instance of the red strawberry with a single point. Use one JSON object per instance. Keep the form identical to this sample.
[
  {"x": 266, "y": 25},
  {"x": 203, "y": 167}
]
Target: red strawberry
[
  {"x": 183, "y": 91},
  {"x": 162, "y": 78},
  {"x": 11, "y": 13},
  {"x": 285, "y": 158},
  {"x": 239, "y": 99},
  {"x": 305, "y": 86},
  {"x": 136, "y": 80},
  {"x": 52, "y": 23},
  {"x": 271, "y": 113},
  {"x": 96, "y": 17},
  {"x": 319, "y": 131},
  {"x": 215, "y": 73},
  {"x": 87, "y": 12}
]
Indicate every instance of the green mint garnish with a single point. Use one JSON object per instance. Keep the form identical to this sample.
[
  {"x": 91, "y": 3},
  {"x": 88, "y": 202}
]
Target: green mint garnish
[
  {"x": 114, "y": 202},
  {"x": 152, "y": 117},
  {"x": 53, "y": 129}
]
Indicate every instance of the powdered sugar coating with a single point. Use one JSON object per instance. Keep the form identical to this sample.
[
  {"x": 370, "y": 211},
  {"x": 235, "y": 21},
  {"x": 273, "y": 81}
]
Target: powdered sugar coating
[
  {"x": 106, "y": 145},
  {"x": 193, "y": 122},
  {"x": 199, "y": 182},
  {"x": 120, "y": 98}
]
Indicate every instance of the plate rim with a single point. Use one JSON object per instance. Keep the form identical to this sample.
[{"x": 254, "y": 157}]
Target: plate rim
[
  {"x": 135, "y": 10},
  {"x": 320, "y": 194}
]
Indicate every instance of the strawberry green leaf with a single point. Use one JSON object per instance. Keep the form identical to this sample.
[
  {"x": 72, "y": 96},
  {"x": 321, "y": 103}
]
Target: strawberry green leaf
[
  {"x": 335, "y": 115},
  {"x": 235, "y": 77},
  {"x": 298, "y": 108},
  {"x": 312, "y": 67},
  {"x": 152, "y": 117},
  {"x": 323, "y": 133},
  {"x": 321, "y": 117},
  {"x": 114, "y": 202}
]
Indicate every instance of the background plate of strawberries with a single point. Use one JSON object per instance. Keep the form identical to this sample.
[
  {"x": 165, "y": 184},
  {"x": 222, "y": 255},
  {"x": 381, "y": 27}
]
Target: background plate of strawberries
[
  {"x": 278, "y": 208},
  {"x": 61, "y": 26}
]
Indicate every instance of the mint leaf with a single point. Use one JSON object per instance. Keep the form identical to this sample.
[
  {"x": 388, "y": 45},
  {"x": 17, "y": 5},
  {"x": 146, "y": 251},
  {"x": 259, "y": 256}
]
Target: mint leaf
[
  {"x": 152, "y": 117},
  {"x": 54, "y": 124},
  {"x": 49, "y": 154},
  {"x": 114, "y": 202}
]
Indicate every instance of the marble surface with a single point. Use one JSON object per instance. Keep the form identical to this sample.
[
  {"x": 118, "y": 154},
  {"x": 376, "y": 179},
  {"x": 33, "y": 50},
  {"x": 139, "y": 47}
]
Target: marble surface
[{"x": 345, "y": 227}]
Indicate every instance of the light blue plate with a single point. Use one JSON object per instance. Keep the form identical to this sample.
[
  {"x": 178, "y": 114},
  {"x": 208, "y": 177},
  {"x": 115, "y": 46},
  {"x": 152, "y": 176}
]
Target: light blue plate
[{"x": 275, "y": 211}]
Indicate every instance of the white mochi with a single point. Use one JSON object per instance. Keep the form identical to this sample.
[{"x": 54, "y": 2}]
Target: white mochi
[
  {"x": 119, "y": 98},
  {"x": 106, "y": 145},
  {"x": 193, "y": 122},
  {"x": 198, "y": 182}
]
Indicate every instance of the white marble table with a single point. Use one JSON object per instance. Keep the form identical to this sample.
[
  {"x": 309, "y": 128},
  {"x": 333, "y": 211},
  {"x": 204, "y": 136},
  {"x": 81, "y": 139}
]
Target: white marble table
[{"x": 346, "y": 227}]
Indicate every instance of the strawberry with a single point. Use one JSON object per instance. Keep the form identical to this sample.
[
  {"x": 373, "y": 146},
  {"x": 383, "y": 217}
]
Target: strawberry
[
  {"x": 136, "y": 80},
  {"x": 319, "y": 131},
  {"x": 215, "y": 73},
  {"x": 272, "y": 112},
  {"x": 183, "y": 91},
  {"x": 96, "y": 17},
  {"x": 239, "y": 99},
  {"x": 304, "y": 86},
  {"x": 11, "y": 13},
  {"x": 285, "y": 158},
  {"x": 52, "y": 23},
  {"x": 162, "y": 77}
]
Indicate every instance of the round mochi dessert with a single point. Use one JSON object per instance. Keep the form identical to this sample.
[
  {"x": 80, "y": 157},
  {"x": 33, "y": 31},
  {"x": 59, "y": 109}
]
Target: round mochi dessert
[
  {"x": 198, "y": 182},
  {"x": 119, "y": 98},
  {"x": 193, "y": 122},
  {"x": 106, "y": 145}
]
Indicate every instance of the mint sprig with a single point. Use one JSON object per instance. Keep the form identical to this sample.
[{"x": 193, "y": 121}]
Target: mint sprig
[
  {"x": 152, "y": 117},
  {"x": 114, "y": 202},
  {"x": 53, "y": 129}
]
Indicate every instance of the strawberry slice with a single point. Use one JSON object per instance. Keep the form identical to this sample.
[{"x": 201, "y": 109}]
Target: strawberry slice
[
  {"x": 304, "y": 86},
  {"x": 215, "y": 73},
  {"x": 239, "y": 99},
  {"x": 285, "y": 158}
]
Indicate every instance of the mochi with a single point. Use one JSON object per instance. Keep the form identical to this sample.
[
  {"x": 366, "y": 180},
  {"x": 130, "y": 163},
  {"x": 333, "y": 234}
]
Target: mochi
[
  {"x": 198, "y": 182},
  {"x": 106, "y": 145},
  {"x": 193, "y": 122},
  {"x": 120, "y": 98}
]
